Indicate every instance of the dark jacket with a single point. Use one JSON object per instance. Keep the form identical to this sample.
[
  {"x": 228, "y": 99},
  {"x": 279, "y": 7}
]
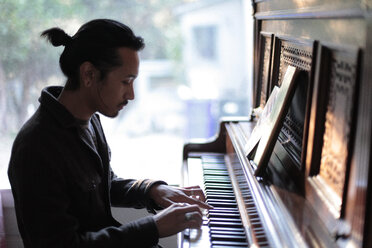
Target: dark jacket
[{"x": 63, "y": 189}]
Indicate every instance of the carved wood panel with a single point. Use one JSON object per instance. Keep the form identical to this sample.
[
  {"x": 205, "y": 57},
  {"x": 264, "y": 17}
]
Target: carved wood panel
[
  {"x": 338, "y": 118},
  {"x": 300, "y": 54},
  {"x": 266, "y": 44},
  {"x": 333, "y": 121},
  {"x": 295, "y": 54}
]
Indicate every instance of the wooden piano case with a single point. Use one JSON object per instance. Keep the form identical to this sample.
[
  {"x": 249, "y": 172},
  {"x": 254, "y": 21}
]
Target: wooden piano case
[
  {"x": 323, "y": 150},
  {"x": 316, "y": 189}
]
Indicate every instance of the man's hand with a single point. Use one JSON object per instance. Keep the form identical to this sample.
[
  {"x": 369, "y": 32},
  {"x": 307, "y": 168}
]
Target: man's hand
[
  {"x": 164, "y": 195},
  {"x": 178, "y": 217}
]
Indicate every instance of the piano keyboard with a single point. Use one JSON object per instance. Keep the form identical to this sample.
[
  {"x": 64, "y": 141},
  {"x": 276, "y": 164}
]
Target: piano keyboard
[
  {"x": 222, "y": 226},
  {"x": 225, "y": 226}
]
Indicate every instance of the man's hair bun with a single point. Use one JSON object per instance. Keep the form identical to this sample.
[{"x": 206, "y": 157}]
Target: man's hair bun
[{"x": 57, "y": 37}]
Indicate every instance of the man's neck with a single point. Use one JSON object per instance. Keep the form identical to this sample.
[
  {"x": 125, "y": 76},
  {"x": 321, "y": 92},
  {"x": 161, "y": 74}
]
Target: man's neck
[{"x": 76, "y": 102}]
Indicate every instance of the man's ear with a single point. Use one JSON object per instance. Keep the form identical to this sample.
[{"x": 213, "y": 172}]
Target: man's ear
[{"x": 88, "y": 74}]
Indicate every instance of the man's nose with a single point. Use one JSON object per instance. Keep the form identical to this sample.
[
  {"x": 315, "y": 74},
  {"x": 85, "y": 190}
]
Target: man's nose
[{"x": 131, "y": 93}]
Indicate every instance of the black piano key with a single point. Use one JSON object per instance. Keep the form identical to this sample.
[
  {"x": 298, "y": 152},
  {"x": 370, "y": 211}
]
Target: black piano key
[
  {"x": 252, "y": 211},
  {"x": 216, "y": 191},
  {"x": 223, "y": 210},
  {"x": 211, "y": 167},
  {"x": 224, "y": 224},
  {"x": 229, "y": 222},
  {"x": 259, "y": 230},
  {"x": 222, "y": 204},
  {"x": 216, "y": 179},
  {"x": 214, "y": 168},
  {"x": 255, "y": 220},
  {"x": 247, "y": 195},
  {"x": 250, "y": 203},
  {"x": 229, "y": 243},
  {"x": 227, "y": 215},
  {"x": 216, "y": 200},
  {"x": 216, "y": 173},
  {"x": 227, "y": 231},
  {"x": 211, "y": 190},
  {"x": 260, "y": 236},
  {"x": 219, "y": 196},
  {"x": 224, "y": 214},
  {"x": 216, "y": 182},
  {"x": 220, "y": 186},
  {"x": 224, "y": 218},
  {"x": 238, "y": 236},
  {"x": 227, "y": 237}
]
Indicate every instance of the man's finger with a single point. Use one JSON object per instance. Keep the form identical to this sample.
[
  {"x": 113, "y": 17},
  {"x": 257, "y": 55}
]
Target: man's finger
[
  {"x": 193, "y": 219},
  {"x": 198, "y": 202},
  {"x": 195, "y": 192}
]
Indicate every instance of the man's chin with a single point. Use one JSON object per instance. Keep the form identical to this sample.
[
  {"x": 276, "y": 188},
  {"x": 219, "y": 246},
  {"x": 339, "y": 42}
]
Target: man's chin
[{"x": 111, "y": 115}]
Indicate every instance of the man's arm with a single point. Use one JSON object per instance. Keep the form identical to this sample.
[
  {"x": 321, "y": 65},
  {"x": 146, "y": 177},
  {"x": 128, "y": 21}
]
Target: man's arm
[
  {"x": 133, "y": 193},
  {"x": 42, "y": 202}
]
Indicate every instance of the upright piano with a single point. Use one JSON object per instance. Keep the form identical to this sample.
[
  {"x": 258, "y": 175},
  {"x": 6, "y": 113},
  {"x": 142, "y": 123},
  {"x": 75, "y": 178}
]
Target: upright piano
[{"x": 315, "y": 188}]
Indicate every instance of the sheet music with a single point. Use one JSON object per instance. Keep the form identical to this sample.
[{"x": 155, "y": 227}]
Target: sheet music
[
  {"x": 271, "y": 127},
  {"x": 262, "y": 122}
]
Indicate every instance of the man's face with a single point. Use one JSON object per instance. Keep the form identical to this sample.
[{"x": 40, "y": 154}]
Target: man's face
[{"x": 114, "y": 91}]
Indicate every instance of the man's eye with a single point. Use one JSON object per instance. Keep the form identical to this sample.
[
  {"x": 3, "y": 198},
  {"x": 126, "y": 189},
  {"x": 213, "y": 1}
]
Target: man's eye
[{"x": 126, "y": 82}]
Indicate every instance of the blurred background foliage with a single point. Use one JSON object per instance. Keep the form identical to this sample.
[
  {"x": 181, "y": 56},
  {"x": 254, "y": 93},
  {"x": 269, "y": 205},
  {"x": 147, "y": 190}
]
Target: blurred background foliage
[{"x": 28, "y": 63}]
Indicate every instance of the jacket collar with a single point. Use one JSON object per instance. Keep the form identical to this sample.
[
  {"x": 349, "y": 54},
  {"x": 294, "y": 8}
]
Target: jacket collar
[{"x": 49, "y": 101}]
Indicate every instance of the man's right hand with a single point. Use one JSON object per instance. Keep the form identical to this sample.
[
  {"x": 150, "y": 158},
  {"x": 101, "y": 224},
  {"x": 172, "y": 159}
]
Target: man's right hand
[{"x": 178, "y": 217}]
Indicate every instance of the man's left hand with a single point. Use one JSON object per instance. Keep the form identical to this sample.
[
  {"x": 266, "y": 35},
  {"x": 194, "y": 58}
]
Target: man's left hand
[{"x": 164, "y": 195}]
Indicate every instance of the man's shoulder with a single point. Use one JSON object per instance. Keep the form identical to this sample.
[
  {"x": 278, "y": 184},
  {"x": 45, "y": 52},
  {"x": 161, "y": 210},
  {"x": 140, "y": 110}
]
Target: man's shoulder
[
  {"x": 38, "y": 130},
  {"x": 38, "y": 140},
  {"x": 34, "y": 125}
]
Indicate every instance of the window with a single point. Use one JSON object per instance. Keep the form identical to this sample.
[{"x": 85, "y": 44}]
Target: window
[{"x": 205, "y": 38}]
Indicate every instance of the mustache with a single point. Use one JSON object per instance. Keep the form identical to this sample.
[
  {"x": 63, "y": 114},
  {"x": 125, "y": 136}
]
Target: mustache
[{"x": 124, "y": 103}]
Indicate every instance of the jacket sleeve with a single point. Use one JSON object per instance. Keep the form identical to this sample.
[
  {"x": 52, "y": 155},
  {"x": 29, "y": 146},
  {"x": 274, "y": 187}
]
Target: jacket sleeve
[
  {"x": 42, "y": 201},
  {"x": 132, "y": 193}
]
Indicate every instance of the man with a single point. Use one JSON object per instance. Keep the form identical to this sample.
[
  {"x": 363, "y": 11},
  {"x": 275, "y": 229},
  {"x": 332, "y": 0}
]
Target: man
[{"x": 59, "y": 170}]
